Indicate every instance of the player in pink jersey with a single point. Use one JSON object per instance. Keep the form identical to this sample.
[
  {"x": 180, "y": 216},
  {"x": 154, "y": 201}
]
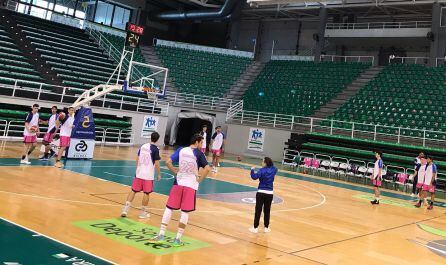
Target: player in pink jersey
[
  {"x": 30, "y": 134},
  {"x": 146, "y": 165},
  {"x": 66, "y": 127},
  {"x": 183, "y": 193}
]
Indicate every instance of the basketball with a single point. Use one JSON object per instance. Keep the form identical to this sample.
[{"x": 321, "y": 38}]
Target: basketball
[
  {"x": 33, "y": 128},
  {"x": 62, "y": 116}
]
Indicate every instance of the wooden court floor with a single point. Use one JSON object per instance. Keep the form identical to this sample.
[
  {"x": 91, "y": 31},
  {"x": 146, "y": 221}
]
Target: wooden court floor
[{"x": 51, "y": 216}]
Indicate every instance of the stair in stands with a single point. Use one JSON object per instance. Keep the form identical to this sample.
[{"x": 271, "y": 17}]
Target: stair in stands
[
  {"x": 28, "y": 49},
  {"x": 349, "y": 92},
  {"x": 151, "y": 57},
  {"x": 245, "y": 80}
]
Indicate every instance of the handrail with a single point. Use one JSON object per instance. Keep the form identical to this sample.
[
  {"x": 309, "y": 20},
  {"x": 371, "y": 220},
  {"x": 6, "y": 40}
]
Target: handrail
[
  {"x": 408, "y": 59},
  {"x": 19, "y": 126},
  {"x": 350, "y": 58},
  {"x": 379, "y": 25},
  {"x": 332, "y": 127}
]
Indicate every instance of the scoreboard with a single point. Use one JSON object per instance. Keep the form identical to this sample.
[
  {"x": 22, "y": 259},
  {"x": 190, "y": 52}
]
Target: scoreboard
[{"x": 134, "y": 33}]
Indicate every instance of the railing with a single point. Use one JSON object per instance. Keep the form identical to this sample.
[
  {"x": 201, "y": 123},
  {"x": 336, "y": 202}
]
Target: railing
[
  {"x": 339, "y": 58},
  {"x": 380, "y": 25},
  {"x": 199, "y": 102},
  {"x": 233, "y": 110},
  {"x": 41, "y": 91},
  {"x": 428, "y": 138},
  {"x": 409, "y": 60},
  {"x": 14, "y": 130}
]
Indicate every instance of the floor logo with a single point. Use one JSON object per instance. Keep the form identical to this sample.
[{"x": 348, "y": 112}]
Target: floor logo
[
  {"x": 71, "y": 259},
  {"x": 436, "y": 246},
  {"x": 138, "y": 235}
]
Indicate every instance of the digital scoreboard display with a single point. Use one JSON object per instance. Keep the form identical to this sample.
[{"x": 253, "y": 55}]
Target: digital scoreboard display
[{"x": 134, "y": 33}]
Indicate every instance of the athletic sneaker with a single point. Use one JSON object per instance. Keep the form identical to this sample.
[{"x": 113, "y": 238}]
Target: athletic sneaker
[
  {"x": 144, "y": 215},
  {"x": 253, "y": 230},
  {"x": 431, "y": 206},
  {"x": 418, "y": 205},
  {"x": 125, "y": 210},
  {"x": 267, "y": 230},
  {"x": 177, "y": 243},
  {"x": 25, "y": 161},
  {"x": 218, "y": 164},
  {"x": 374, "y": 202},
  {"x": 58, "y": 164},
  {"x": 44, "y": 158},
  {"x": 214, "y": 170},
  {"x": 158, "y": 238},
  {"x": 413, "y": 195}
]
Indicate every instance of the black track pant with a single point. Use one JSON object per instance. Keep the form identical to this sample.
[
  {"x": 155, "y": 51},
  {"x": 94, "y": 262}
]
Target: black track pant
[
  {"x": 264, "y": 201},
  {"x": 414, "y": 184}
]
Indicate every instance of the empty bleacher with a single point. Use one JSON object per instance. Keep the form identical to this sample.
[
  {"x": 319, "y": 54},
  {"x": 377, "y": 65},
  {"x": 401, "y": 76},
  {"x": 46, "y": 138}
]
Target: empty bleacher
[
  {"x": 202, "y": 72},
  {"x": 13, "y": 65},
  {"x": 299, "y": 87},
  {"x": 409, "y": 96}
]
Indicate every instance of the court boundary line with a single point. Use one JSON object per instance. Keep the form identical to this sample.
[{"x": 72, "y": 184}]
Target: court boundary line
[
  {"x": 367, "y": 234},
  {"x": 58, "y": 241}
]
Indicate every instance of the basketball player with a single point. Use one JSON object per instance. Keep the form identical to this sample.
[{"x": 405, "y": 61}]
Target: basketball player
[
  {"x": 415, "y": 176},
  {"x": 377, "y": 176},
  {"x": 430, "y": 180},
  {"x": 183, "y": 193},
  {"x": 216, "y": 146},
  {"x": 264, "y": 195},
  {"x": 420, "y": 174},
  {"x": 147, "y": 163},
  {"x": 30, "y": 134},
  {"x": 204, "y": 134},
  {"x": 65, "y": 133},
  {"x": 53, "y": 127}
]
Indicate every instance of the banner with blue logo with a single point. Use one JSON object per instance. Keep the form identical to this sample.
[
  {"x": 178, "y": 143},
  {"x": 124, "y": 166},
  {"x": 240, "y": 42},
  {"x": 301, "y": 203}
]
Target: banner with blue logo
[
  {"x": 256, "y": 139},
  {"x": 83, "y": 135},
  {"x": 150, "y": 124}
]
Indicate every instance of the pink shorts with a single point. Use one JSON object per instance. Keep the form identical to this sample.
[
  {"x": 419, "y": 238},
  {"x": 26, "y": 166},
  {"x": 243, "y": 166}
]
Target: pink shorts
[
  {"x": 377, "y": 182},
  {"x": 64, "y": 141},
  {"x": 48, "y": 138},
  {"x": 182, "y": 197},
  {"x": 143, "y": 185},
  {"x": 429, "y": 188},
  {"x": 216, "y": 152},
  {"x": 420, "y": 185},
  {"x": 203, "y": 150},
  {"x": 30, "y": 139}
]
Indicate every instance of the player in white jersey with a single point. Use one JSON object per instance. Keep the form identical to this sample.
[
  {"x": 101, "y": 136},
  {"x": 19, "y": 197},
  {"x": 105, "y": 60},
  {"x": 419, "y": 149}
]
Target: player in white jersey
[
  {"x": 377, "y": 176},
  {"x": 146, "y": 165},
  {"x": 53, "y": 126},
  {"x": 65, "y": 133},
  {"x": 204, "y": 134},
  {"x": 417, "y": 162},
  {"x": 183, "y": 193},
  {"x": 419, "y": 175},
  {"x": 30, "y": 134},
  {"x": 430, "y": 181},
  {"x": 217, "y": 147}
]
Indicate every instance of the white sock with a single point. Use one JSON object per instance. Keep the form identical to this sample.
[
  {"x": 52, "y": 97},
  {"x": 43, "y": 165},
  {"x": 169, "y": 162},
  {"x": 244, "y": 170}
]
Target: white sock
[
  {"x": 163, "y": 229},
  {"x": 127, "y": 203},
  {"x": 180, "y": 233},
  {"x": 165, "y": 221}
]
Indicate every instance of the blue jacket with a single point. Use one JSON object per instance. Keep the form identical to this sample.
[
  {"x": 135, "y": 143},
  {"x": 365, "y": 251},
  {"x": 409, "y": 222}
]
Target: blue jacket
[{"x": 266, "y": 176}]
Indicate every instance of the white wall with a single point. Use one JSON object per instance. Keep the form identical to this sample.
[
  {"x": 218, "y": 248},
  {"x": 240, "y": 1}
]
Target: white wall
[{"x": 238, "y": 135}]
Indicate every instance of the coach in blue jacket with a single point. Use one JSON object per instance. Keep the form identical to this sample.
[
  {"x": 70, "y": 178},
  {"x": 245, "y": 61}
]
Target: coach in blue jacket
[{"x": 264, "y": 196}]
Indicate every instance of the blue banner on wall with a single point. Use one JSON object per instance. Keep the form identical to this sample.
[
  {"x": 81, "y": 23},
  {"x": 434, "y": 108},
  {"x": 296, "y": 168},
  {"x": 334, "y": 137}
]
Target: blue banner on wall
[{"x": 84, "y": 125}]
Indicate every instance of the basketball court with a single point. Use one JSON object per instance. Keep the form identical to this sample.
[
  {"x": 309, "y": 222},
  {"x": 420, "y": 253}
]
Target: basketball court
[{"x": 55, "y": 216}]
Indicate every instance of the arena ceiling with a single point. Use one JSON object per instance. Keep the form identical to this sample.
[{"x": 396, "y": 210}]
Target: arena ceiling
[{"x": 292, "y": 9}]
